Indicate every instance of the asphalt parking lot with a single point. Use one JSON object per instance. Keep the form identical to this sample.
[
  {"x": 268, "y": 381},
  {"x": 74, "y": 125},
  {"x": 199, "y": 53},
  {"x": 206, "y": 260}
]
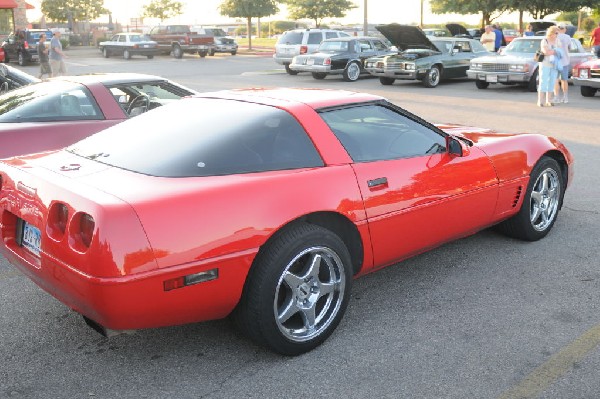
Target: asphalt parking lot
[{"x": 482, "y": 317}]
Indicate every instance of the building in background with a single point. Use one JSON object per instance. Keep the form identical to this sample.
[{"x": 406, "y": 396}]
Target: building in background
[{"x": 13, "y": 15}]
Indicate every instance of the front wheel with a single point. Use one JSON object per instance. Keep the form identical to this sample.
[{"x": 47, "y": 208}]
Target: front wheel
[
  {"x": 384, "y": 80},
  {"x": 297, "y": 290},
  {"x": 289, "y": 70},
  {"x": 587, "y": 91},
  {"x": 533, "y": 81},
  {"x": 319, "y": 75},
  {"x": 433, "y": 77},
  {"x": 127, "y": 55},
  {"x": 541, "y": 203},
  {"x": 211, "y": 53},
  {"x": 233, "y": 52},
  {"x": 352, "y": 72},
  {"x": 150, "y": 56},
  {"x": 203, "y": 54},
  {"x": 481, "y": 84},
  {"x": 105, "y": 53}
]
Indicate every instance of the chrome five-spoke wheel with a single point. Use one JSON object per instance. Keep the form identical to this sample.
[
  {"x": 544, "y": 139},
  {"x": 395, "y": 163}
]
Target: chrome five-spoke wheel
[
  {"x": 309, "y": 293},
  {"x": 545, "y": 199}
]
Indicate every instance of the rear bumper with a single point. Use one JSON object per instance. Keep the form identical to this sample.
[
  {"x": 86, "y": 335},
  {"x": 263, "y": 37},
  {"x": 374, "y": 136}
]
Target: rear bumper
[
  {"x": 595, "y": 83},
  {"x": 139, "y": 300}
]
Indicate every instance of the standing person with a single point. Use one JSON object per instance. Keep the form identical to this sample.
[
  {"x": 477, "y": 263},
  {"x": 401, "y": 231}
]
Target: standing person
[
  {"x": 57, "y": 57},
  {"x": 595, "y": 40},
  {"x": 43, "y": 54},
  {"x": 488, "y": 38},
  {"x": 499, "y": 41},
  {"x": 529, "y": 31},
  {"x": 548, "y": 72},
  {"x": 564, "y": 41}
]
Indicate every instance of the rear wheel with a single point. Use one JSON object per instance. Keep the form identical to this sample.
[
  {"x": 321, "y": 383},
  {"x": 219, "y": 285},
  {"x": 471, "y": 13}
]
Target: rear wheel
[
  {"x": 352, "y": 72},
  {"x": 541, "y": 204},
  {"x": 481, "y": 84},
  {"x": 384, "y": 80},
  {"x": 588, "y": 91},
  {"x": 297, "y": 290},
  {"x": 319, "y": 75},
  {"x": 203, "y": 54},
  {"x": 433, "y": 77},
  {"x": 211, "y": 53},
  {"x": 127, "y": 55},
  {"x": 150, "y": 56},
  {"x": 105, "y": 53},
  {"x": 233, "y": 52},
  {"x": 290, "y": 71},
  {"x": 177, "y": 51}
]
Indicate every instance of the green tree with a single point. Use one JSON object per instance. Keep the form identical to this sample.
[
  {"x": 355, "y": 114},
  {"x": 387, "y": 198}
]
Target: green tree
[
  {"x": 317, "y": 10},
  {"x": 73, "y": 10},
  {"x": 541, "y": 8},
  {"x": 489, "y": 9},
  {"x": 248, "y": 9},
  {"x": 162, "y": 9}
]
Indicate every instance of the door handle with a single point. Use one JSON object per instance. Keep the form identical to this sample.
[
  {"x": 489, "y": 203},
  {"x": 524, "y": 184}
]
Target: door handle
[{"x": 380, "y": 181}]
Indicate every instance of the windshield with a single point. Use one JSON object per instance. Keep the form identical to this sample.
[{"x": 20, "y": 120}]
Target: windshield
[
  {"x": 523, "y": 46},
  {"x": 198, "y": 137}
]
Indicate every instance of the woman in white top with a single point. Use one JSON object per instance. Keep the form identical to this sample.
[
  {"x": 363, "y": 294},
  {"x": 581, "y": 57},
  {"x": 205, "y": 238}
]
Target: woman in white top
[{"x": 548, "y": 73}]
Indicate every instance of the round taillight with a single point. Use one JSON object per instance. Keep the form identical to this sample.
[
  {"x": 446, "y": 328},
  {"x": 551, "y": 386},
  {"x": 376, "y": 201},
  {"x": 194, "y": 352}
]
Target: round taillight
[
  {"x": 86, "y": 229},
  {"x": 58, "y": 218}
]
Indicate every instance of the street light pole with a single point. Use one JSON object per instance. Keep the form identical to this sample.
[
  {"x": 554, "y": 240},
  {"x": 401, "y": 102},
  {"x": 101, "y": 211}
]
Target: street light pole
[
  {"x": 422, "y": 1},
  {"x": 365, "y": 22}
]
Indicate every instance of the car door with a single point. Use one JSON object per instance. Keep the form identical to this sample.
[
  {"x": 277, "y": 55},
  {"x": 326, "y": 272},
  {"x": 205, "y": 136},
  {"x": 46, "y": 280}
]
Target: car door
[
  {"x": 10, "y": 46},
  {"x": 462, "y": 53},
  {"x": 416, "y": 194},
  {"x": 366, "y": 50}
]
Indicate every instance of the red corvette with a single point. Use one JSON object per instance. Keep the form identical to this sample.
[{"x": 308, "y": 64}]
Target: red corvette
[
  {"x": 263, "y": 205},
  {"x": 59, "y": 112}
]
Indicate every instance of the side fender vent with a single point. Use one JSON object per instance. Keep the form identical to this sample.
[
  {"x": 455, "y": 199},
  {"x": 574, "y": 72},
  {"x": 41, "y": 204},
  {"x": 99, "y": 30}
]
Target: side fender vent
[{"x": 517, "y": 196}]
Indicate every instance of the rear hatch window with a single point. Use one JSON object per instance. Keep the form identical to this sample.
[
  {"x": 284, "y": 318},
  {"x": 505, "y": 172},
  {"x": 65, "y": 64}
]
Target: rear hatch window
[{"x": 290, "y": 38}]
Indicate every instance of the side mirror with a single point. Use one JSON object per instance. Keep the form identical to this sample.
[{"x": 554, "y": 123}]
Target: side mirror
[{"x": 456, "y": 147}]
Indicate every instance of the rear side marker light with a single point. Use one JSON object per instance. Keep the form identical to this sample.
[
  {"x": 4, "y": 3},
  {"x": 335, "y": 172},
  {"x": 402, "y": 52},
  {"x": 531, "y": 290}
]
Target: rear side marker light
[{"x": 190, "y": 279}]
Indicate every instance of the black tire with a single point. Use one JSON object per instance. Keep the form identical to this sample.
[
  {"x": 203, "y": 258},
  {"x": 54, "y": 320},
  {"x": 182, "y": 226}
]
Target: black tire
[
  {"x": 233, "y": 52},
  {"x": 211, "y": 53},
  {"x": 105, "y": 52},
  {"x": 481, "y": 84},
  {"x": 284, "y": 292},
  {"x": 352, "y": 72},
  {"x": 203, "y": 54},
  {"x": 319, "y": 75},
  {"x": 21, "y": 59},
  {"x": 587, "y": 91},
  {"x": 541, "y": 204},
  {"x": 126, "y": 54},
  {"x": 289, "y": 71},
  {"x": 177, "y": 51},
  {"x": 150, "y": 56},
  {"x": 384, "y": 80},
  {"x": 533, "y": 81},
  {"x": 432, "y": 77}
]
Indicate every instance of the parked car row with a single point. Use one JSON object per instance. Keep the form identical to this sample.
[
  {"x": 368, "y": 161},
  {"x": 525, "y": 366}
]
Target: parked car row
[{"x": 411, "y": 54}]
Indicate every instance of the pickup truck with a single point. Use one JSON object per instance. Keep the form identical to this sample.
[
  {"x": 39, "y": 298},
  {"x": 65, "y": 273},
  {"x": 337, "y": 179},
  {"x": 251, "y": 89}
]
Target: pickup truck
[{"x": 179, "y": 39}]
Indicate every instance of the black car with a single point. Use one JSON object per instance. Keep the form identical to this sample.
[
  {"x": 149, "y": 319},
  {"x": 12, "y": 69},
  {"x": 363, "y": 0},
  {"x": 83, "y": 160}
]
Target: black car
[
  {"x": 11, "y": 78},
  {"x": 22, "y": 45},
  {"x": 343, "y": 55}
]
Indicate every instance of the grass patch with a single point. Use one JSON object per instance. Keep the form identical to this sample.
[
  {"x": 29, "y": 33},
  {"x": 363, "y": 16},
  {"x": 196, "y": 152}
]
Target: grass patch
[{"x": 257, "y": 42}]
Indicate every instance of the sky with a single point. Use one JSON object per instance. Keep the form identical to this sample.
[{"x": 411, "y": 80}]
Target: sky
[{"x": 206, "y": 12}]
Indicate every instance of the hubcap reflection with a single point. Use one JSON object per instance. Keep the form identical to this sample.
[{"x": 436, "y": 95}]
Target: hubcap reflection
[
  {"x": 309, "y": 293},
  {"x": 544, "y": 200}
]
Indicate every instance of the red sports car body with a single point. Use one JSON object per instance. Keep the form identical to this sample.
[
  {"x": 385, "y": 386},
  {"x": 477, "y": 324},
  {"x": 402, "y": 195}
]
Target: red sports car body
[
  {"x": 267, "y": 217},
  {"x": 56, "y": 113}
]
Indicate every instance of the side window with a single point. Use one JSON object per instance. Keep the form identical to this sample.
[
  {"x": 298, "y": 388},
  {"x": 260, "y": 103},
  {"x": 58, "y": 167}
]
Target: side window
[
  {"x": 464, "y": 47},
  {"x": 331, "y": 35},
  {"x": 314, "y": 38},
  {"x": 375, "y": 133},
  {"x": 115, "y": 38},
  {"x": 122, "y": 38},
  {"x": 573, "y": 46},
  {"x": 364, "y": 45},
  {"x": 379, "y": 46}
]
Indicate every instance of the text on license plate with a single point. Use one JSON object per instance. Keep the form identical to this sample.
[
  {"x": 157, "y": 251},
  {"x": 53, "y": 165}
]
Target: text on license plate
[
  {"x": 31, "y": 238},
  {"x": 310, "y": 61}
]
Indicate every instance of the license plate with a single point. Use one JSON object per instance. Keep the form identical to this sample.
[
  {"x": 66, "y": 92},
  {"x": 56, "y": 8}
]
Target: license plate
[
  {"x": 32, "y": 238},
  {"x": 310, "y": 61},
  {"x": 146, "y": 45},
  {"x": 491, "y": 78}
]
